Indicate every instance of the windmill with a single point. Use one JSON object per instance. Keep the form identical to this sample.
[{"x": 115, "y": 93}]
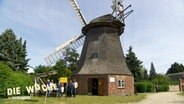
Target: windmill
[
  {"x": 102, "y": 68},
  {"x": 78, "y": 40}
]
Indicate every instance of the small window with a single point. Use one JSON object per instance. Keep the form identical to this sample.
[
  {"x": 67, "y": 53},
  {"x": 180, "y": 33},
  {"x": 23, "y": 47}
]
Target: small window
[
  {"x": 94, "y": 56},
  {"x": 121, "y": 84}
]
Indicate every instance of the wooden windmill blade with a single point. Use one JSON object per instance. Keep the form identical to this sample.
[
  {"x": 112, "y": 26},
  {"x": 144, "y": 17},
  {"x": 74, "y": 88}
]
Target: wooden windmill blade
[
  {"x": 58, "y": 52},
  {"x": 78, "y": 41},
  {"x": 74, "y": 42},
  {"x": 78, "y": 12}
]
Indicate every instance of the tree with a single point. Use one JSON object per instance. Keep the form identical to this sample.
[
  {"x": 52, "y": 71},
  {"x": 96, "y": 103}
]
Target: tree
[
  {"x": 62, "y": 69},
  {"x": 42, "y": 69},
  {"x": 13, "y": 51},
  {"x": 134, "y": 64},
  {"x": 71, "y": 57},
  {"x": 68, "y": 65},
  {"x": 175, "y": 68},
  {"x": 161, "y": 79},
  {"x": 65, "y": 67},
  {"x": 145, "y": 77},
  {"x": 152, "y": 72}
]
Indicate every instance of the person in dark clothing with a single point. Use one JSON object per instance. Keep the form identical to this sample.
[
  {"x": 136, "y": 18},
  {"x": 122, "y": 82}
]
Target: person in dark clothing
[{"x": 70, "y": 89}]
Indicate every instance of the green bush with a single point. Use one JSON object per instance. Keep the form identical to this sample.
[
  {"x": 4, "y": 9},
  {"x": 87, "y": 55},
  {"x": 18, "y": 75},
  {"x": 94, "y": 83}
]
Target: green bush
[
  {"x": 145, "y": 87},
  {"x": 150, "y": 87},
  {"x": 161, "y": 80},
  {"x": 10, "y": 79},
  {"x": 163, "y": 87},
  {"x": 21, "y": 80},
  {"x": 141, "y": 87},
  {"x": 5, "y": 74}
]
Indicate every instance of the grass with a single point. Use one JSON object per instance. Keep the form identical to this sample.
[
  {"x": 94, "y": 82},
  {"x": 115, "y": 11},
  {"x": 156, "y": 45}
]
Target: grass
[
  {"x": 78, "y": 100},
  {"x": 182, "y": 93}
]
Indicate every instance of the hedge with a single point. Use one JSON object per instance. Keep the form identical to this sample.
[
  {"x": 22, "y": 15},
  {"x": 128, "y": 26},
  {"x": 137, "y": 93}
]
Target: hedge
[
  {"x": 163, "y": 87},
  {"x": 141, "y": 87},
  {"x": 10, "y": 79},
  {"x": 150, "y": 87},
  {"x": 145, "y": 87}
]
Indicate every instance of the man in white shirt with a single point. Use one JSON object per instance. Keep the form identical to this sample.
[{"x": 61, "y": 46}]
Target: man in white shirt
[{"x": 75, "y": 84}]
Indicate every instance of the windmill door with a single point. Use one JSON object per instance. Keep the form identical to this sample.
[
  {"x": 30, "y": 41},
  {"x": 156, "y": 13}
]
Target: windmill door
[
  {"x": 96, "y": 86},
  {"x": 100, "y": 87}
]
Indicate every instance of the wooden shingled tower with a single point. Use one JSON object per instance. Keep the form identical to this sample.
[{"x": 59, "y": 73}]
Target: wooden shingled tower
[{"x": 102, "y": 69}]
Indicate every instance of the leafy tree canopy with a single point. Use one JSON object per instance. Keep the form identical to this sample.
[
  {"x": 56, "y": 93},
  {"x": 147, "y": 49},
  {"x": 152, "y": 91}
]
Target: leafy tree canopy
[
  {"x": 65, "y": 67},
  {"x": 161, "y": 79},
  {"x": 175, "y": 68},
  {"x": 63, "y": 71},
  {"x": 71, "y": 58},
  {"x": 13, "y": 51},
  {"x": 42, "y": 69}
]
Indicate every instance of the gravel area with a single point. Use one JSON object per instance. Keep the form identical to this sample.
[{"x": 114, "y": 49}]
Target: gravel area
[{"x": 163, "y": 98}]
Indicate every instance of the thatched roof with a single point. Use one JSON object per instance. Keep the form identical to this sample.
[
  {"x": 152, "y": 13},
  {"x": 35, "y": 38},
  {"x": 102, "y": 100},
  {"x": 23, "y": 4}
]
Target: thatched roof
[
  {"x": 102, "y": 51},
  {"x": 106, "y": 20}
]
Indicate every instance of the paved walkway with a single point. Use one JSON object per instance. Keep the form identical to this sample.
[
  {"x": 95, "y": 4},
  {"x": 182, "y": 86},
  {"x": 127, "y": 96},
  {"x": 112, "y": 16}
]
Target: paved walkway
[{"x": 163, "y": 98}]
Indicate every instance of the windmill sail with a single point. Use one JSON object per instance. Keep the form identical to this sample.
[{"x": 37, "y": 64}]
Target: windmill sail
[
  {"x": 78, "y": 41},
  {"x": 78, "y": 12},
  {"x": 57, "y": 54},
  {"x": 74, "y": 43}
]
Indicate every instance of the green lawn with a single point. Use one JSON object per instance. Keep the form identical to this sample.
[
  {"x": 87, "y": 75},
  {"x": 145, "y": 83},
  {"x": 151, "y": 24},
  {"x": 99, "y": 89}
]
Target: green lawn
[{"x": 79, "y": 100}]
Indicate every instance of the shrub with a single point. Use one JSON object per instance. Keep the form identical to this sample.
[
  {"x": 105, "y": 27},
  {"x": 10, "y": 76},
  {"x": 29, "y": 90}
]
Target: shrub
[
  {"x": 141, "y": 87},
  {"x": 5, "y": 74},
  {"x": 163, "y": 87},
  {"x": 10, "y": 79},
  {"x": 145, "y": 87},
  {"x": 161, "y": 80},
  {"x": 21, "y": 80},
  {"x": 150, "y": 87}
]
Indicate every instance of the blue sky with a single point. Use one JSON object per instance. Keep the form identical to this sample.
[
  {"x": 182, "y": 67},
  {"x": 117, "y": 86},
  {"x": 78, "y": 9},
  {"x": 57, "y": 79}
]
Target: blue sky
[{"x": 155, "y": 29}]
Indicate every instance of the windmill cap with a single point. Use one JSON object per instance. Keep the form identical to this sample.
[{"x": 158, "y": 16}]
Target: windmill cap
[{"x": 105, "y": 20}]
